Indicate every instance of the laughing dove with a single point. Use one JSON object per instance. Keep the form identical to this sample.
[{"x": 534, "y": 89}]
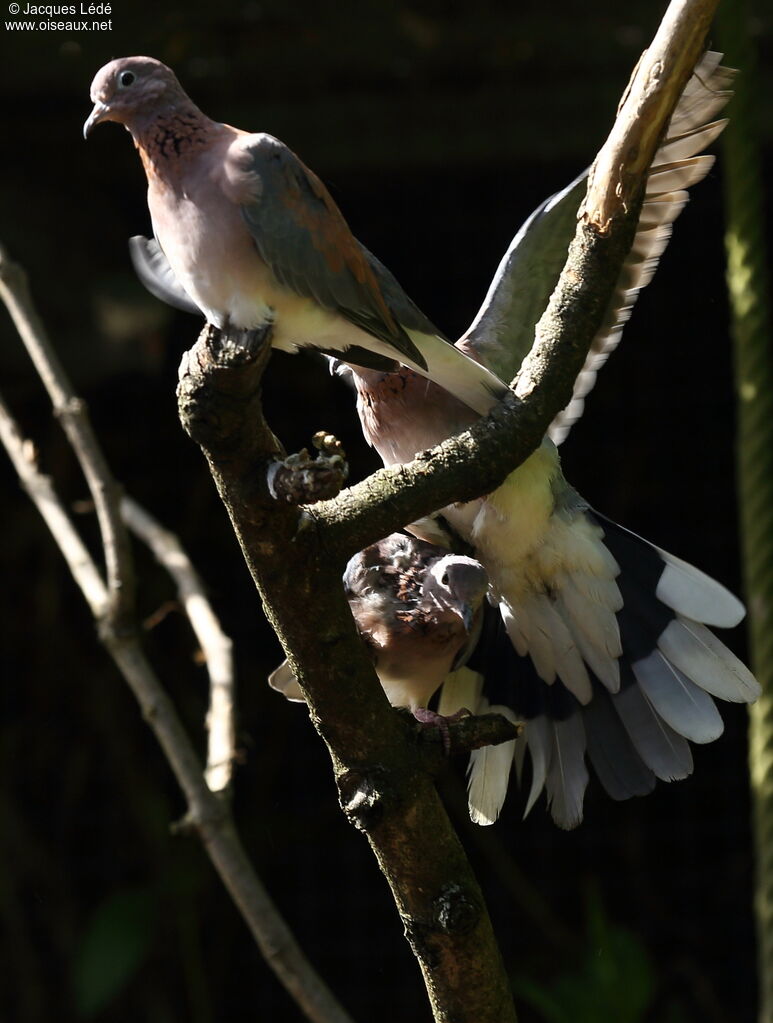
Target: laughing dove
[
  {"x": 249, "y": 236},
  {"x": 418, "y": 609},
  {"x": 607, "y": 651}
]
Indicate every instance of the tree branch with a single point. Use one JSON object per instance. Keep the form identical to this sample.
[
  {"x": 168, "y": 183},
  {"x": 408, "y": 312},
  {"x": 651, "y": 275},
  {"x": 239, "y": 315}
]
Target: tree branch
[
  {"x": 656, "y": 84},
  {"x": 382, "y": 786},
  {"x": 41, "y": 491},
  {"x": 206, "y": 812},
  {"x": 296, "y": 555},
  {"x": 71, "y": 412},
  {"x": 216, "y": 647}
]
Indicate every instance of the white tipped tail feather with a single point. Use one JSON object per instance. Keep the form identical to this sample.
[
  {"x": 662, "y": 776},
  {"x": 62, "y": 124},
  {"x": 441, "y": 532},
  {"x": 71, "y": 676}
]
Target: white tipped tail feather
[
  {"x": 669, "y": 668},
  {"x": 489, "y": 772},
  {"x": 696, "y": 595}
]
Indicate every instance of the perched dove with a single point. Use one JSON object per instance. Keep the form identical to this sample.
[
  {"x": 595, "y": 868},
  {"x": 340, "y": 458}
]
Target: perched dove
[
  {"x": 419, "y": 610},
  {"x": 606, "y": 648},
  {"x": 248, "y": 236}
]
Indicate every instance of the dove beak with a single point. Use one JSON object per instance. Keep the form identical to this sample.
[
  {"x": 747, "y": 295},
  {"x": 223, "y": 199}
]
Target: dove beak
[{"x": 99, "y": 113}]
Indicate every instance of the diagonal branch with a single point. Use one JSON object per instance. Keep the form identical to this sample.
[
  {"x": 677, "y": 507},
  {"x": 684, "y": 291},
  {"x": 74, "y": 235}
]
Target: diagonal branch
[
  {"x": 655, "y": 88},
  {"x": 216, "y": 647},
  {"x": 70, "y": 410},
  {"x": 41, "y": 491}
]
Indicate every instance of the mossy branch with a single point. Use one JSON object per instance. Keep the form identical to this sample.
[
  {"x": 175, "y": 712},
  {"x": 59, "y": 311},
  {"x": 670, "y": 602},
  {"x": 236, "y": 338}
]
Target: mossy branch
[{"x": 296, "y": 554}]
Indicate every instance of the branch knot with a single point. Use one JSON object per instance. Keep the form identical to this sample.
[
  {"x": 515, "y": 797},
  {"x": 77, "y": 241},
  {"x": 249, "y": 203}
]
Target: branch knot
[
  {"x": 361, "y": 798},
  {"x": 455, "y": 911}
]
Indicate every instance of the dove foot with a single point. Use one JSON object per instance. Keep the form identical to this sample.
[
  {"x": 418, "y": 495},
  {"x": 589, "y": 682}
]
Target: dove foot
[
  {"x": 301, "y": 479},
  {"x": 434, "y": 720}
]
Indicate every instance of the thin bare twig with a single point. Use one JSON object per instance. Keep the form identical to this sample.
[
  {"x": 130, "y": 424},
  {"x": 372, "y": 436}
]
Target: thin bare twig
[
  {"x": 216, "y": 647},
  {"x": 40, "y": 489},
  {"x": 71, "y": 411},
  {"x": 207, "y": 813}
]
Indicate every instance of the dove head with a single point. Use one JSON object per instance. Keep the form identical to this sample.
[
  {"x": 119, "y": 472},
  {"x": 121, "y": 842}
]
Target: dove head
[
  {"x": 456, "y": 583},
  {"x": 134, "y": 91}
]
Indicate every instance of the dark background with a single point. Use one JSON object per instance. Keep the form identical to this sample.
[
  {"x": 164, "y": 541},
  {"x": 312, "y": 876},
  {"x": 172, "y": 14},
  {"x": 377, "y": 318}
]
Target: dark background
[{"x": 438, "y": 126}]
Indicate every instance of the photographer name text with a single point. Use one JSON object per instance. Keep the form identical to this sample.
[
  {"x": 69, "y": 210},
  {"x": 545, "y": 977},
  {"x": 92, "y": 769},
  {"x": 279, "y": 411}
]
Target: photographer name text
[{"x": 61, "y": 10}]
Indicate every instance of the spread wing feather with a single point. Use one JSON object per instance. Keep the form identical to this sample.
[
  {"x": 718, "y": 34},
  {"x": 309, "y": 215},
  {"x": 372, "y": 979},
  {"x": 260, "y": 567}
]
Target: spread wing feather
[{"x": 503, "y": 331}]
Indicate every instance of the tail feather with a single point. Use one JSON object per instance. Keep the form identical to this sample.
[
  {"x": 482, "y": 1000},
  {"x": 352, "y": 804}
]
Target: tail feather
[
  {"x": 695, "y": 595},
  {"x": 708, "y": 662},
  {"x": 612, "y": 753},
  {"x": 489, "y": 768},
  {"x": 540, "y": 628},
  {"x": 489, "y": 772},
  {"x": 539, "y": 738},
  {"x": 676, "y": 584},
  {"x": 567, "y": 775},
  {"x": 637, "y": 726},
  {"x": 663, "y": 750},
  {"x": 595, "y": 631},
  {"x": 686, "y": 707}
]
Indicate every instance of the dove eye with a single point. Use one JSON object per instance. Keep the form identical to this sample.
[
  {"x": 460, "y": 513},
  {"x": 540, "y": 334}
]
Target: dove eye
[
  {"x": 444, "y": 580},
  {"x": 126, "y": 78}
]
